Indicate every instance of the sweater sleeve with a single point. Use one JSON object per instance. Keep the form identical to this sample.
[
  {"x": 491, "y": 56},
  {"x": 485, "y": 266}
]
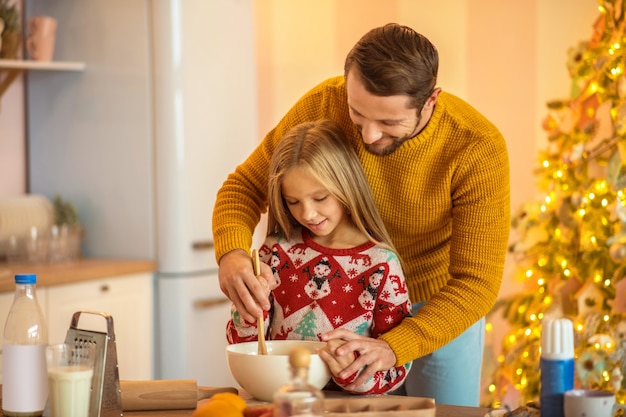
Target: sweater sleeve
[{"x": 480, "y": 229}]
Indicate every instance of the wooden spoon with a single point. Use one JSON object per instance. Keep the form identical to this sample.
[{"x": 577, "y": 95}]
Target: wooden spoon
[{"x": 260, "y": 321}]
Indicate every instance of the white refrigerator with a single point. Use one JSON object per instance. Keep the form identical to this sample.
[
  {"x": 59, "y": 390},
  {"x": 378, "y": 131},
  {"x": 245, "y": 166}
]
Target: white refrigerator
[
  {"x": 205, "y": 124},
  {"x": 142, "y": 140}
]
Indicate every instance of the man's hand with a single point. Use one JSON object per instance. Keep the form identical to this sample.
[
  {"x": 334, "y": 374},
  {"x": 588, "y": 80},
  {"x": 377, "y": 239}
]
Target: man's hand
[
  {"x": 249, "y": 293},
  {"x": 374, "y": 355}
]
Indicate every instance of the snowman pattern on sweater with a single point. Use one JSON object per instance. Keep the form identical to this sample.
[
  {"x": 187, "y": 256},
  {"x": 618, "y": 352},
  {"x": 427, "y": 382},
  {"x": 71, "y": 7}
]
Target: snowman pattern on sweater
[{"x": 361, "y": 289}]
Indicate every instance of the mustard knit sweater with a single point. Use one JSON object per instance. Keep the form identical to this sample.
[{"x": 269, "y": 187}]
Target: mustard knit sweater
[{"x": 444, "y": 197}]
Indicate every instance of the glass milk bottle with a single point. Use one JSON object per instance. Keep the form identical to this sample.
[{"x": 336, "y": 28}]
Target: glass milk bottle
[
  {"x": 298, "y": 398},
  {"x": 24, "y": 376}
]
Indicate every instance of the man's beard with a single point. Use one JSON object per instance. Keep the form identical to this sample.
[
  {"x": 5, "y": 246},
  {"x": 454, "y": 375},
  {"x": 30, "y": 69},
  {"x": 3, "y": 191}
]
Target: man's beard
[
  {"x": 387, "y": 150},
  {"x": 395, "y": 144}
]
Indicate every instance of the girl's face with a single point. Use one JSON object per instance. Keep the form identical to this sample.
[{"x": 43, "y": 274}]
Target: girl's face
[{"x": 314, "y": 207}]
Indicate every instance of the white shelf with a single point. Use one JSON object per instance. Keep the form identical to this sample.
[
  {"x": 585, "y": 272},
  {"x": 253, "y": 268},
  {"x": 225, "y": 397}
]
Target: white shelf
[
  {"x": 41, "y": 65},
  {"x": 14, "y": 67}
]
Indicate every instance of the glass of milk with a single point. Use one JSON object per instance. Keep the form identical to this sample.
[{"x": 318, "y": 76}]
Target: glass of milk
[{"x": 70, "y": 370}]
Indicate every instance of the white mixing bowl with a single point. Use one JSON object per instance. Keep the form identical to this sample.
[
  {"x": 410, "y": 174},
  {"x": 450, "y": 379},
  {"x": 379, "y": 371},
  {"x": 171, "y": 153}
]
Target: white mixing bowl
[{"x": 262, "y": 375}]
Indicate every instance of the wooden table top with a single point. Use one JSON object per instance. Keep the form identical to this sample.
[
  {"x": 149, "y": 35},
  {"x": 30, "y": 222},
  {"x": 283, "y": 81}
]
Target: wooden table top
[{"x": 442, "y": 410}]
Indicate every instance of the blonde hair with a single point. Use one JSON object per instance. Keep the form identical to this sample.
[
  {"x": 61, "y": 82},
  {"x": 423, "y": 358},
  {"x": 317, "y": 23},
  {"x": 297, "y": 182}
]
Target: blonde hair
[{"x": 322, "y": 148}]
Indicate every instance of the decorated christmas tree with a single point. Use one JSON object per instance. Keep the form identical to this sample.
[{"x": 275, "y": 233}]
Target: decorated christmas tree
[{"x": 569, "y": 245}]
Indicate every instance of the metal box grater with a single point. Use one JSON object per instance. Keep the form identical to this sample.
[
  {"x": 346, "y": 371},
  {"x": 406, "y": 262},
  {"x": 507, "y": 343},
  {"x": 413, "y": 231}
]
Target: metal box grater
[{"x": 106, "y": 395}]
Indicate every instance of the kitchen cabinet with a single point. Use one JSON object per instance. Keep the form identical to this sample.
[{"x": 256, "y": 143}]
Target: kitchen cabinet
[{"x": 127, "y": 298}]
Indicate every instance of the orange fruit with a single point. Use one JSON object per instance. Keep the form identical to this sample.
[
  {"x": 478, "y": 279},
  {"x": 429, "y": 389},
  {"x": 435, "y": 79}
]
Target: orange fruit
[
  {"x": 234, "y": 399},
  {"x": 224, "y": 404}
]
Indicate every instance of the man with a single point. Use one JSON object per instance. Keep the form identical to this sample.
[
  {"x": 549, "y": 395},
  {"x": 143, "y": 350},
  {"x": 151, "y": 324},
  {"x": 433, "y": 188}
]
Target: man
[{"x": 439, "y": 172}]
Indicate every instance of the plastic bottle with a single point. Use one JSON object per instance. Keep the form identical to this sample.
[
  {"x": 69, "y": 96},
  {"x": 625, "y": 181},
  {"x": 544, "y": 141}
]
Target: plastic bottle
[
  {"x": 557, "y": 364},
  {"x": 24, "y": 375},
  {"x": 299, "y": 398}
]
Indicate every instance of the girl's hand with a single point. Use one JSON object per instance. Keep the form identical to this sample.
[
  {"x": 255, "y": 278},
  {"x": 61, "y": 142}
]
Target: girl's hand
[
  {"x": 373, "y": 355},
  {"x": 335, "y": 363}
]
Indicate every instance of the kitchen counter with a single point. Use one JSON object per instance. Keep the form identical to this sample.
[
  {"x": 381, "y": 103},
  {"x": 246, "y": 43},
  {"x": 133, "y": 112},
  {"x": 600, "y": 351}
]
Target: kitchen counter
[
  {"x": 49, "y": 274},
  {"x": 442, "y": 410}
]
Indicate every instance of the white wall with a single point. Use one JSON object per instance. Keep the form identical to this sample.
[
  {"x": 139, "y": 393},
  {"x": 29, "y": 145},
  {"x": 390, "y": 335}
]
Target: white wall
[
  {"x": 505, "y": 58},
  {"x": 12, "y": 140}
]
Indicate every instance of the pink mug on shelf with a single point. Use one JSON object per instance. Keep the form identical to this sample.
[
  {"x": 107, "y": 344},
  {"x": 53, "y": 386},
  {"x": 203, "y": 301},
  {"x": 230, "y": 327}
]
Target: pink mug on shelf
[{"x": 41, "y": 37}]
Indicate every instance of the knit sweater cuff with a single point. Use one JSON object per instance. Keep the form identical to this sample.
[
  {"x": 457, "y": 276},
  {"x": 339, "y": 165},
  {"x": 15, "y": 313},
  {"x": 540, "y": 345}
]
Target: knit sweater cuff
[
  {"x": 226, "y": 242},
  {"x": 404, "y": 342}
]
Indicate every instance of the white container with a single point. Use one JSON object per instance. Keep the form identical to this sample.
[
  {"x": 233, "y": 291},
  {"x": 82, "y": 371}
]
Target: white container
[{"x": 557, "y": 364}]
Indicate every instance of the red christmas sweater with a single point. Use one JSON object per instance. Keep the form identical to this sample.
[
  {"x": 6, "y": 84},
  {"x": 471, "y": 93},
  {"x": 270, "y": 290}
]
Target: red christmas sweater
[{"x": 361, "y": 289}]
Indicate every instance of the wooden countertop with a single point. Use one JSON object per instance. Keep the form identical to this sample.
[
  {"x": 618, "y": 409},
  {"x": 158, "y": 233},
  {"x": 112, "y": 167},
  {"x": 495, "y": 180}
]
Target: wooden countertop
[
  {"x": 441, "y": 410},
  {"x": 49, "y": 274}
]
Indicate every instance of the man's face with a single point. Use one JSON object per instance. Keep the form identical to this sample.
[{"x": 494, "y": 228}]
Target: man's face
[{"x": 384, "y": 122}]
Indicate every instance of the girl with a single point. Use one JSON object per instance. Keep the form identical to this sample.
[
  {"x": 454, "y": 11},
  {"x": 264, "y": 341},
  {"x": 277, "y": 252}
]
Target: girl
[{"x": 329, "y": 251}]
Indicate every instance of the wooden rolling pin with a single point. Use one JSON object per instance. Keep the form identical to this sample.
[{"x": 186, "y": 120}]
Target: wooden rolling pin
[{"x": 165, "y": 394}]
